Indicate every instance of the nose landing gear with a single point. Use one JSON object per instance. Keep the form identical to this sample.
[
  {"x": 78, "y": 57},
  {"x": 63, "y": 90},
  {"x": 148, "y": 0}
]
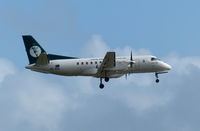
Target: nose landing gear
[{"x": 157, "y": 78}]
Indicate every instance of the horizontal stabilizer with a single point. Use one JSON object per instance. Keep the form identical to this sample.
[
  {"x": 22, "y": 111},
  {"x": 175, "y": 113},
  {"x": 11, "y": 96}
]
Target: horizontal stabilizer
[{"x": 42, "y": 59}]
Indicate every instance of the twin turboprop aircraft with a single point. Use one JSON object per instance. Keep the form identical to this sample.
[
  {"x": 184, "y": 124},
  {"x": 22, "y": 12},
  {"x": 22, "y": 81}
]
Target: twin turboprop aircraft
[{"x": 104, "y": 68}]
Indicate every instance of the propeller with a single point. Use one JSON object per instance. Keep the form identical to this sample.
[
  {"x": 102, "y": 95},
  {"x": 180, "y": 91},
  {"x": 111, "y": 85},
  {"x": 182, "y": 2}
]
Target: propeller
[
  {"x": 131, "y": 59},
  {"x": 131, "y": 64}
]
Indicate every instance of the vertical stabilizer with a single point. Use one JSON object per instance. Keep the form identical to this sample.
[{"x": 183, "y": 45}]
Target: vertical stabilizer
[{"x": 33, "y": 49}]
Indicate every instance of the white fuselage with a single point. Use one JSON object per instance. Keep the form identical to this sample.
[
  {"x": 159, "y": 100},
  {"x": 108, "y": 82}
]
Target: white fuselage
[{"x": 89, "y": 66}]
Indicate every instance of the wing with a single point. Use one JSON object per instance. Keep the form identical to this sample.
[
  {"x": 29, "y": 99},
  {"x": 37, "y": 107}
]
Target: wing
[{"x": 108, "y": 62}]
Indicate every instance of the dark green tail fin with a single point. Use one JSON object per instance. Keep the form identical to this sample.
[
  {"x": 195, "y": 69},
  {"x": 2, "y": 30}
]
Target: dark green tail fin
[{"x": 33, "y": 48}]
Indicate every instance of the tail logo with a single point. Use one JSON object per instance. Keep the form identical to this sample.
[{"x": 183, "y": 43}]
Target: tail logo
[{"x": 35, "y": 51}]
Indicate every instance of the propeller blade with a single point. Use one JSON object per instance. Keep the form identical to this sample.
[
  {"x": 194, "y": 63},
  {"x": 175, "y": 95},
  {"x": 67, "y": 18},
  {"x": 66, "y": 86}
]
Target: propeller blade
[
  {"x": 131, "y": 56},
  {"x": 131, "y": 63}
]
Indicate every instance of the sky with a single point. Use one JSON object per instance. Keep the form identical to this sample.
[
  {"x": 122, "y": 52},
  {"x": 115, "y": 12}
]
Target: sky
[{"x": 168, "y": 29}]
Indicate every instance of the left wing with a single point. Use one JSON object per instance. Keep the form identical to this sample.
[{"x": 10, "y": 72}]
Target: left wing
[{"x": 109, "y": 61}]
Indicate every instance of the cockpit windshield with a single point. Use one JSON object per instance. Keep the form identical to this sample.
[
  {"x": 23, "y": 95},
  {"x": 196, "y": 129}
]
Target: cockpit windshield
[{"x": 154, "y": 59}]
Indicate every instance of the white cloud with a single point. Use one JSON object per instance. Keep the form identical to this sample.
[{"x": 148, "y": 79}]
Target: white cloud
[
  {"x": 144, "y": 100},
  {"x": 6, "y": 68},
  {"x": 183, "y": 65},
  {"x": 141, "y": 94},
  {"x": 126, "y": 51},
  {"x": 39, "y": 103},
  {"x": 96, "y": 47}
]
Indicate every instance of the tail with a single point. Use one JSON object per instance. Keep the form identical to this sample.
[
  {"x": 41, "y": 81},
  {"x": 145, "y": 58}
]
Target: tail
[{"x": 33, "y": 49}]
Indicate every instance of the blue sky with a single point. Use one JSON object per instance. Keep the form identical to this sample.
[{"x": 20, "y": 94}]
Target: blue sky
[
  {"x": 168, "y": 29},
  {"x": 161, "y": 26}
]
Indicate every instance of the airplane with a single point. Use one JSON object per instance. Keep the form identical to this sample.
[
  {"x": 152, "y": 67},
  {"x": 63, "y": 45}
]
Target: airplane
[{"x": 103, "y": 68}]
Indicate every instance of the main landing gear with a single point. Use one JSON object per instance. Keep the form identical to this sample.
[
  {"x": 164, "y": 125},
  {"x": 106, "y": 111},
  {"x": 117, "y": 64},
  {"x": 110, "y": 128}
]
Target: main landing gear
[
  {"x": 157, "y": 78},
  {"x": 107, "y": 79},
  {"x": 101, "y": 86}
]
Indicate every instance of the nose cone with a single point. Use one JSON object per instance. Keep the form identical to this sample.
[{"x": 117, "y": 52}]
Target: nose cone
[{"x": 167, "y": 66}]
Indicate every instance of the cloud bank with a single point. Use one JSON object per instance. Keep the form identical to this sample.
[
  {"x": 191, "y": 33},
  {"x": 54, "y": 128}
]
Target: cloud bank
[{"x": 31, "y": 101}]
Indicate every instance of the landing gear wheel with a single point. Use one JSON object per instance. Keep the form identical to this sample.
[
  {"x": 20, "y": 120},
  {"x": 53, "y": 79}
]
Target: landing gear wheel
[
  {"x": 101, "y": 86},
  {"x": 157, "y": 80},
  {"x": 107, "y": 79}
]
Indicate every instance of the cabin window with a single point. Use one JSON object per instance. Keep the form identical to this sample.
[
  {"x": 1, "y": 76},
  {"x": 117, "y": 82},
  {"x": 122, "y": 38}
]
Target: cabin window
[
  {"x": 91, "y": 62},
  {"x": 95, "y": 62},
  {"x": 77, "y": 63},
  {"x": 100, "y": 62},
  {"x": 86, "y": 63},
  {"x": 82, "y": 63},
  {"x": 143, "y": 61},
  {"x": 57, "y": 66}
]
